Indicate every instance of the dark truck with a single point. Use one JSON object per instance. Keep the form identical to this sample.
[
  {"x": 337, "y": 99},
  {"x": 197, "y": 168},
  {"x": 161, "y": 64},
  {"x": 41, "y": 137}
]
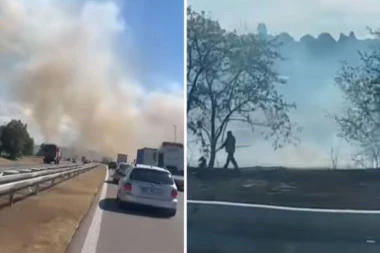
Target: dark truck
[{"x": 52, "y": 153}]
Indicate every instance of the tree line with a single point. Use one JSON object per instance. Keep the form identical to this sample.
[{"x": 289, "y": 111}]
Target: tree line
[
  {"x": 231, "y": 78},
  {"x": 15, "y": 140}
]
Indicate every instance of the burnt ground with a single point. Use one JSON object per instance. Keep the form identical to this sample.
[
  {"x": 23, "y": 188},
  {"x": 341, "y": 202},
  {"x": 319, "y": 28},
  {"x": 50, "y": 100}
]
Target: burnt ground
[{"x": 337, "y": 189}]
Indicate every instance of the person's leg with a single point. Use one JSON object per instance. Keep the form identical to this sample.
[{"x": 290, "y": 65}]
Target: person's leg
[
  {"x": 234, "y": 161},
  {"x": 227, "y": 161}
]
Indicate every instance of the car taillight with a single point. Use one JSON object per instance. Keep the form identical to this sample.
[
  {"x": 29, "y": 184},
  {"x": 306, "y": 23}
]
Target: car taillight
[
  {"x": 174, "y": 194},
  {"x": 128, "y": 187}
]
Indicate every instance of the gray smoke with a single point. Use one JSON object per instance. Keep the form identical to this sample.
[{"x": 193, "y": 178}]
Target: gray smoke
[{"x": 59, "y": 65}]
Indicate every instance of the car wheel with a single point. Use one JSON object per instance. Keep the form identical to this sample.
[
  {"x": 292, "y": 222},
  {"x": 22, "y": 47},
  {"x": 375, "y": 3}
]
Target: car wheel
[{"x": 118, "y": 199}]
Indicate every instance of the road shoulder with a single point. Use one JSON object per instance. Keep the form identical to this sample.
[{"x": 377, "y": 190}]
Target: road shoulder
[
  {"x": 47, "y": 222},
  {"x": 78, "y": 240}
]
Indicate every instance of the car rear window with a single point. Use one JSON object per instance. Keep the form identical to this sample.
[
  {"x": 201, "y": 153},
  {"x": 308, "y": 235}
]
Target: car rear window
[
  {"x": 152, "y": 176},
  {"x": 124, "y": 166}
]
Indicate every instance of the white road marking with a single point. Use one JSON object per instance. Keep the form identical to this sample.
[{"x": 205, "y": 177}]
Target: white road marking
[
  {"x": 282, "y": 208},
  {"x": 91, "y": 241}
]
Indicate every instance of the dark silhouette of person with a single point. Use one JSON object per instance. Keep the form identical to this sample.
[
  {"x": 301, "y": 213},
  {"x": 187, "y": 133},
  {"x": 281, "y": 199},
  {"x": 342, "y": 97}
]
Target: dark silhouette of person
[
  {"x": 202, "y": 162},
  {"x": 230, "y": 146}
]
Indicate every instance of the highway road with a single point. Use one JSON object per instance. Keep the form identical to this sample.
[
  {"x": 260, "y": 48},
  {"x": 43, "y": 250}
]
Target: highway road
[
  {"x": 125, "y": 230},
  {"x": 281, "y": 231}
]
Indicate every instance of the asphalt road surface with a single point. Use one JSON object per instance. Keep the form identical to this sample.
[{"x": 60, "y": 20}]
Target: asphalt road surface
[
  {"x": 134, "y": 230},
  {"x": 260, "y": 235}
]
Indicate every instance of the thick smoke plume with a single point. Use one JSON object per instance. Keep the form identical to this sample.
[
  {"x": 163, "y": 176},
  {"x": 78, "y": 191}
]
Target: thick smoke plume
[{"x": 58, "y": 63}]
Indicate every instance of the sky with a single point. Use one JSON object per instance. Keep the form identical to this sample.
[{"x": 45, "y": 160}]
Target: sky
[
  {"x": 106, "y": 75},
  {"x": 296, "y": 17},
  {"x": 157, "y": 31}
]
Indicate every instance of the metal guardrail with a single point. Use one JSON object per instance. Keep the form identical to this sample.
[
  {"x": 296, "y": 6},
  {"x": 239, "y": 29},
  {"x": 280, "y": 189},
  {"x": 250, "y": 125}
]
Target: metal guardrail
[
  {"x": 20, "y": 176},
  {"x": 12, "y": 188},
  {"x": 19, "y": 170}
]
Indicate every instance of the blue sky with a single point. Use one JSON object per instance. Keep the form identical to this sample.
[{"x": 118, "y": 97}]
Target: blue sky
[{"x": 156, "y": 28}]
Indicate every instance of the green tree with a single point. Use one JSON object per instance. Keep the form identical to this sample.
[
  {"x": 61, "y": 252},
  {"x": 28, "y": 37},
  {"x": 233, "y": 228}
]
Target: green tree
[
  {"x": 29, "y": 146},
  {"x": 360, "y": 120},
  {"x": 231, "y": 77},
  {"x": 15, "y": 139}
]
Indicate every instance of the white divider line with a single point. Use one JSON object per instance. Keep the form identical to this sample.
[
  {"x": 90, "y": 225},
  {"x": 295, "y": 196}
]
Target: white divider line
[
  {"x": 282, "y": 208},
  {"x": 91, "y": 242}
]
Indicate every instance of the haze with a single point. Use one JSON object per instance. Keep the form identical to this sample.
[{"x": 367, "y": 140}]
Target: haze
[
  {"x": 312, "y": 61},
  {"x": 297, "y": 17}
]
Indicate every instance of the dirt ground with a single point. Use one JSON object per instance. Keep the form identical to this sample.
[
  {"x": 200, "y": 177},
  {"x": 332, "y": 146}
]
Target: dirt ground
[
  {"x": 23, "y": 160},
  {"x": 338, "y": 189},
  {"x": 46, "y": 223}
]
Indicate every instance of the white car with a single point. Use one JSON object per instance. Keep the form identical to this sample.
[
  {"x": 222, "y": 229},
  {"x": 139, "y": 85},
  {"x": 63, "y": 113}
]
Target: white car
[{"x": 148, "y": 186}]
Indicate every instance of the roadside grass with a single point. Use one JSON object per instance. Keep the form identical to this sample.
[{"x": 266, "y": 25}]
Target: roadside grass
[
  {"x": 46, "y": 223},
  {"x": 22, "y": 160}
]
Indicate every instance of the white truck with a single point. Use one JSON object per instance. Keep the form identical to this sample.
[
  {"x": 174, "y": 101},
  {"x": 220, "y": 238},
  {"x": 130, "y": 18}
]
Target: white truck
[
  {"x": 171, "y": 156},
  {"x": 122, "y": 158},
  {"x": 147, "y": 156}
]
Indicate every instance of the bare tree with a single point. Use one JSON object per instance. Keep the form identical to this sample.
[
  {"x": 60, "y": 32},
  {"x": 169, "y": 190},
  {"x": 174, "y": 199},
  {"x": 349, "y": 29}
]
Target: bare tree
[
  {"x": 334, "y": 153},
  {"x": 367, "y": 156},
  {"x": 230, "y": 78},
  {"x": 360, "y": 121}
]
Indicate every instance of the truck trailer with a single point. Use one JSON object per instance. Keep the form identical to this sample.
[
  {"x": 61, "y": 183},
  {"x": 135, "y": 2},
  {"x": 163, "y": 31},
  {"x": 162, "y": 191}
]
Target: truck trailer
[
  {"x": 122, "y": 158},
  {"x": 171, "y": 156},
  {"x": 147, "y": 156},
  {"x": 52, "y": 153}
]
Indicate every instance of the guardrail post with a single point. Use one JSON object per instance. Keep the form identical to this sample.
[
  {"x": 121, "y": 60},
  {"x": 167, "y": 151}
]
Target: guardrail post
[
  {"x": 37, "y": 189},
  {"x": 11, "y": 198}
]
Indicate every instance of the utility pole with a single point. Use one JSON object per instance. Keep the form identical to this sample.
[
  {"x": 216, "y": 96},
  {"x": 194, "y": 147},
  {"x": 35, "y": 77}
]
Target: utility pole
[{"x": 175, "y": 132}]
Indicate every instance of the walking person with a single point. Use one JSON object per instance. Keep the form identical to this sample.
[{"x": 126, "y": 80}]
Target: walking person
[
  {"x": 230, "y": 146},
  {"x": 202, "y": 162}
]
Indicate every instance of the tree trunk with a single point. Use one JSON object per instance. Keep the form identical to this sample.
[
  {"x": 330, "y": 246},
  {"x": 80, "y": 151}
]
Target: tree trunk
[{"x": 212, "y": 155}]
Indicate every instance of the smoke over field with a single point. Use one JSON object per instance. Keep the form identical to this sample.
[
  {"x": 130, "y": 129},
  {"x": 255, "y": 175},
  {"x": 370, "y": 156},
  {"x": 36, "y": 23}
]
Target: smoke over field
[{"x": 58, "y": 63}]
